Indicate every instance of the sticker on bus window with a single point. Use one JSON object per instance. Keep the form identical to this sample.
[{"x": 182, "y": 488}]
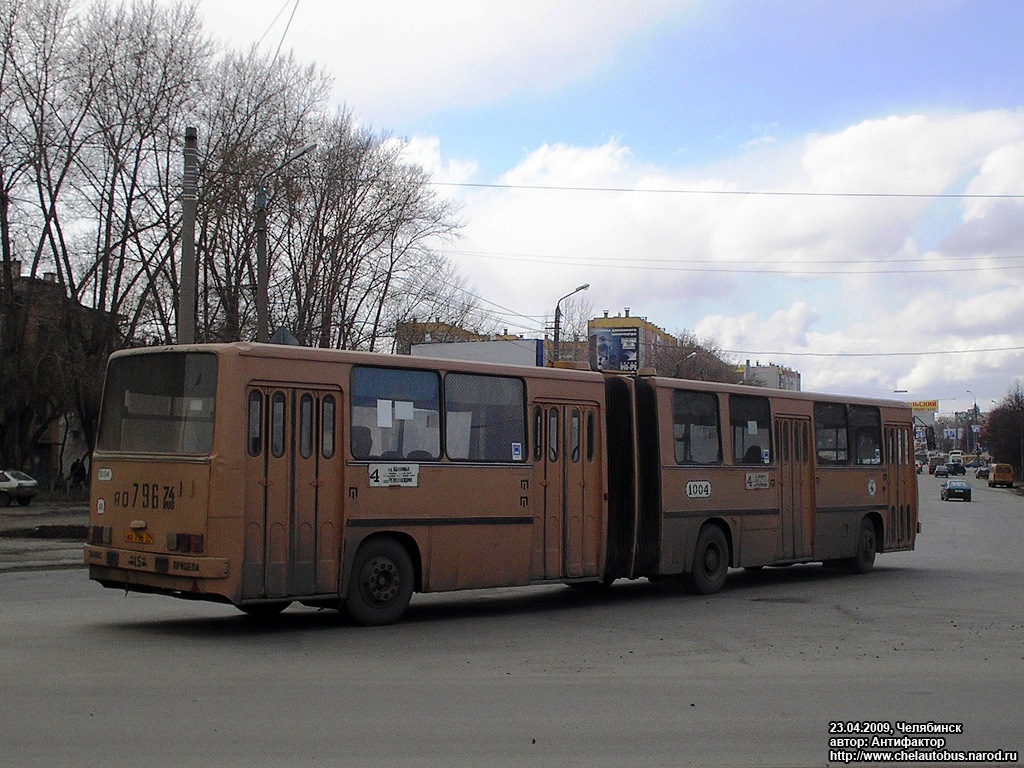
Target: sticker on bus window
[
  {"x": 404, "y": 410},
  {"x": 384, "y": 414},
  {"x": 517, "y": 451}
]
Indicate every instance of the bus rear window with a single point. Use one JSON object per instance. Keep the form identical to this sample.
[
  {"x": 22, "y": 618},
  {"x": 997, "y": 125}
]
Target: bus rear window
[{"x": 159, "y": 403}]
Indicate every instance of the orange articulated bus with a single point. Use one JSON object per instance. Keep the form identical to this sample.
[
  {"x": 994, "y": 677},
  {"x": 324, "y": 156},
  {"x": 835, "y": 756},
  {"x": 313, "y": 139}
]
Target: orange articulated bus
[{"x": 262, "y": 475}]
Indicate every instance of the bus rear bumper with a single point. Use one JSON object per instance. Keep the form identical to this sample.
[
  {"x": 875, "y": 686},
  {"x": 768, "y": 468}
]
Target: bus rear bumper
[{"x": 164, "y": 565}]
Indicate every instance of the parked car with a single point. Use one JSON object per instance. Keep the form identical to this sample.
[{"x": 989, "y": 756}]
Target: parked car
[
  {"x": 942, "y": 471},
  {"x": 955, "y": 489},
  {"x": 1000, "y": 474},
  {"x": 18, "y": 486},
  {"x": 981, "y": 473}
]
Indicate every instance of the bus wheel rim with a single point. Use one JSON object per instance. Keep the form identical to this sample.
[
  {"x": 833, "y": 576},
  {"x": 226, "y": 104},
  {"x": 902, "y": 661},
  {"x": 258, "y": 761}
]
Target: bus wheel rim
[
  {"x": 382, "y": 579},
  {"x": 712, "y": 559}
]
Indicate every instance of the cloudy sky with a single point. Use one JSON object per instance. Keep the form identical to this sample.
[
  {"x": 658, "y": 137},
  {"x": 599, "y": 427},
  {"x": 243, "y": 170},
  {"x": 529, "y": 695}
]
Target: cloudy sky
[{"x": 833, "y": 186}]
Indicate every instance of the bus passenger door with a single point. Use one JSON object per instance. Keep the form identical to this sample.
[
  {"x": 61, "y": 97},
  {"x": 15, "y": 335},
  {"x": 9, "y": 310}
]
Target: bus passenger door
[
  {"x": 572, "y": 490},
  {"x": 293, "y": 488},
  {"x": 900, "y": 473},
  {"x": 796, "y": 487}
]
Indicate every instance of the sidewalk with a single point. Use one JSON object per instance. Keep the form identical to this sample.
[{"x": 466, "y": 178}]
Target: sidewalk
[{"x": 43, "y": 535}]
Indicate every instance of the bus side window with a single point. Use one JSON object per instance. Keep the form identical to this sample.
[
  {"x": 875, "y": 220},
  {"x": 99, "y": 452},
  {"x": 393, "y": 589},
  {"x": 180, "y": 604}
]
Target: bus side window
[
  {"x": 866, "y": 434},
  {"x": 553, "y": 434},
  {"x": 255, "y": 436},
  {"x": 750, "y": 419},
  {"x": 327, "y": 430},
  {"x": 830, "y": 433},
  {"x": 695, "y": 428},
  {"x": 306, "y": 426},
  {"x": 538, "y": 433},
  {"x": 277, "y": 425},
  {"x": 590, "y": 435},
  {"x": 485, "y": 417},
  {"x": 574, "y": 436}
]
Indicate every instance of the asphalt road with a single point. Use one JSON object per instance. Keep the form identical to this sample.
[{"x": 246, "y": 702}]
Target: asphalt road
[
  {"x": 42, "y": 536},
  {"x": 634, "y": 676}
]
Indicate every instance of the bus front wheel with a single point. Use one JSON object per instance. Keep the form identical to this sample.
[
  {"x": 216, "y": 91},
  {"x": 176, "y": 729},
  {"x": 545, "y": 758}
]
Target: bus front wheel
[
  {"x": 381, "y": 584},
  {"x": 710, "y": 562}
]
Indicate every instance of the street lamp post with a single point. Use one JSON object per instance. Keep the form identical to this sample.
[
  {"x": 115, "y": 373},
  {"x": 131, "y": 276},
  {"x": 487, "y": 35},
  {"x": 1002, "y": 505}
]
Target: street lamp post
[
  {"x": 558, "y": 316},
  {"x": 262, "y": 268},
  {"x": 972, "y": 442}
]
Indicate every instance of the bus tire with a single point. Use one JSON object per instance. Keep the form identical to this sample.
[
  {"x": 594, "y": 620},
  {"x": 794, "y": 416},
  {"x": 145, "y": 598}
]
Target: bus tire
[
  {"x": 867, "y": 545},
  {"x": 710, "y": 562},
  {"x": 381, "y": 584}
]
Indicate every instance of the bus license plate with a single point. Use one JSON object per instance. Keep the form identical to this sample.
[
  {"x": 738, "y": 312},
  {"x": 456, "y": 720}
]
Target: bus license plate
[{"x": 138, "y": 537}]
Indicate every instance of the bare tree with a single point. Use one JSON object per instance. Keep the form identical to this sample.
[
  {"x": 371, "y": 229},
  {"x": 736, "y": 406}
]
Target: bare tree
[
  {"x": 142, "y": 66},
  {"x": 694, "y": 358},
  {"x": 255, "y": 111},
  {"x": 365, "y": 256},
  {"x": 1004, "y": 432},
  {"x": 94, "y": 100},
  {"x": 576, "y": 312}
]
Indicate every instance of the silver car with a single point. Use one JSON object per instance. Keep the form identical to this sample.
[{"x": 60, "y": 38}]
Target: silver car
[{"x": 16, "y": 485}]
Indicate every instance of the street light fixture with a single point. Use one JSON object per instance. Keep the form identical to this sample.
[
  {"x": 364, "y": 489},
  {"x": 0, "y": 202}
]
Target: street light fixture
[
  {"x": 262, "y": 269},
  {"x": 558, "y": 316}
]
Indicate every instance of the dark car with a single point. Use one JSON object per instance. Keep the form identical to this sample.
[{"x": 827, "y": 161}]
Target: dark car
[
  {"x": 942, "y": 471},
  {"x": 957, "y": 468},
  {"x": 18, "y": 486},
  {"x": 955, "y": 489}
]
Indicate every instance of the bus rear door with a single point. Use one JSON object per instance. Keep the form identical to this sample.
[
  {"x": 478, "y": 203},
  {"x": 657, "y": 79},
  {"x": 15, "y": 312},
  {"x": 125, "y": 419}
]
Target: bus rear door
[{"x": 293, "y": 493}]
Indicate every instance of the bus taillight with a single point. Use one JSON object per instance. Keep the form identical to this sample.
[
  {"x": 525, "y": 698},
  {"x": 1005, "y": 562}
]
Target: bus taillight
[{"x": 185, "y": 542}]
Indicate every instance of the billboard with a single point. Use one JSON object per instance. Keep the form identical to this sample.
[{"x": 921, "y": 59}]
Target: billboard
[
  {"x": 510, "y": 351},
  {"x": 925, "y": 405},
  {"x": 615, "y": 349}
]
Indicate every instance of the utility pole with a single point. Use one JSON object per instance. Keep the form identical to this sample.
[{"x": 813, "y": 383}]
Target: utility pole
[{"x": 189, "y": 201}]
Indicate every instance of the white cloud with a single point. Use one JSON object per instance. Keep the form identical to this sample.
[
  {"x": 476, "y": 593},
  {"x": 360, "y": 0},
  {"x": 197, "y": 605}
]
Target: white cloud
[
  {"x": 626, "y": 243},
  {"x": 407, "y": 57}
]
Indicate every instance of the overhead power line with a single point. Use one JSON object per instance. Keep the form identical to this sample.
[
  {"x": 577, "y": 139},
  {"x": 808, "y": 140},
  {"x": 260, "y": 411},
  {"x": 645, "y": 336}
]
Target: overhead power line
[
  {"x": 734, "y": 192},
  {"x": 871, "y": 354},
  {"x": 829, "y": 268}
]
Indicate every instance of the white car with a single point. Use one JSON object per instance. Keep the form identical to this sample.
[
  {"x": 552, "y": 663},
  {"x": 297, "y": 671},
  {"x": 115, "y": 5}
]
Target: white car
[{"x": 18, "y": 486}]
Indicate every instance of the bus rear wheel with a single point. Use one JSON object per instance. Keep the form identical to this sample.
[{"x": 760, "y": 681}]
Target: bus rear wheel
[
  {"x": 867, "y": 545},
  {"x": 381, "y": 584},
  {"x": 710, "y": 562}
]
